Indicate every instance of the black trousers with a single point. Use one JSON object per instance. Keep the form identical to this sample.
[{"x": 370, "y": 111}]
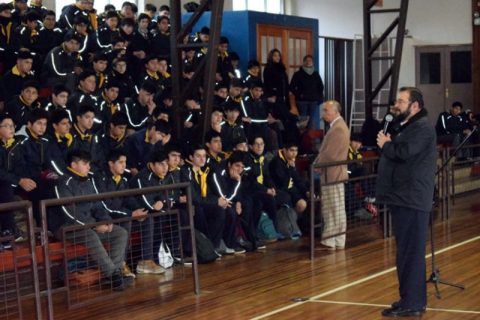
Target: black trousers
[
  {"x": 7, "y": 221},
  {"x": 210, "y": 220},
  {"x": 410, "y": 230}
]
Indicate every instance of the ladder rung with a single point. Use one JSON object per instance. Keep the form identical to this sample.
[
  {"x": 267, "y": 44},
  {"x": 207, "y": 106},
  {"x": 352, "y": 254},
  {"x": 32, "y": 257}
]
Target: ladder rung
[
  {"x": 383, "y": 58},
  {"x": 384, "y": 10}
]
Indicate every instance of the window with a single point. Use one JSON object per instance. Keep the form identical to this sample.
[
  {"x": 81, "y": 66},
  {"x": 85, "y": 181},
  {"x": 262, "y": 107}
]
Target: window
[{"x": 270, "y": 6}]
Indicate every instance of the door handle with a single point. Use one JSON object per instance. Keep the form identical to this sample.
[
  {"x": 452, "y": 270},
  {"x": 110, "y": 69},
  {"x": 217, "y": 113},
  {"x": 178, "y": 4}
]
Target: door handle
[{"x": 446, "y": 93}]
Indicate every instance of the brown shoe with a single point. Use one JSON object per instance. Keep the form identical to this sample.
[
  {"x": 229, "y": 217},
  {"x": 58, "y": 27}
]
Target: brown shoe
[
  {"x": 322, "y": 247},
  {"x": 126, "y": 272},
  {"x": 149, "y": 266}
]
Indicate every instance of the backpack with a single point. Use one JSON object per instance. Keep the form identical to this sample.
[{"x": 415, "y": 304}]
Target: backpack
[
  {"x": 287, "y": 223},
  {"x": 205, "y": 250},
  {"x": 266, "y": 229}
]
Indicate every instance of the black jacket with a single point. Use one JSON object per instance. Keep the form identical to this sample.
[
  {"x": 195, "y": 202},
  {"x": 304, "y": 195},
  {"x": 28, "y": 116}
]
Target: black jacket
[
  {"x": 307, "y": 87},
  {"x": 19, "y": 110},
  {"x": 224, "y": 186},
  {"x": 116, "y": 207},
  {"x": 36, "y": 155},
  {"x": 286, "y": 177},
  {"x": 58, "y": 65},
  {"x": 146, "y": 178},
  {"x": 450, "y": 124},
  {"x": 137, "y": 114},
  {"x": 276, "y": 82},
  {"x": 47, "y": 40},
  {"x": 58, "y": 149},
  {"x": 257, "y": 173},
  {"x": 89, "y": 142},
  {"x": 197, "y": 198},
  {"x": 72, "y": 185},
  {"x": 12, "y": 162},
  {"x": 11, "y": 84},
  {"x": 230, "y": 133},
  {"x": 406, "y": 171}
]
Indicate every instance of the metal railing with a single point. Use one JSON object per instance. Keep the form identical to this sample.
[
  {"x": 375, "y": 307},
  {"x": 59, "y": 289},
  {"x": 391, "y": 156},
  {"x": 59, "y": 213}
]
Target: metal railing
[
  {"x": 45, "y": 204},
  {"x": 13, "y": 261}
]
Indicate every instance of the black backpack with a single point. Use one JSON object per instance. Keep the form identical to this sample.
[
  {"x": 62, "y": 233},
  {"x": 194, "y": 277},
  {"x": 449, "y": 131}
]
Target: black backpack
[{"x": 205, "y": 250}]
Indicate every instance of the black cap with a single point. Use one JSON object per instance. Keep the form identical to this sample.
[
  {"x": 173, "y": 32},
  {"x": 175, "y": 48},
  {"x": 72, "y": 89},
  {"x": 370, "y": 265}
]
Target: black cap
[{"x": 205, "y": 30}]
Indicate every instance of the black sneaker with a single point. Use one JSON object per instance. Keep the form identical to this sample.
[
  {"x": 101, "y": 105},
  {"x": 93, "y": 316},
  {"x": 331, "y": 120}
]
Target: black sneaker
[
  {"x": 7, "y": 244},
  {"x": 260, "y": 244},
  {"x": 239, "y": 250},
  {"x": 114, "y": 282}
]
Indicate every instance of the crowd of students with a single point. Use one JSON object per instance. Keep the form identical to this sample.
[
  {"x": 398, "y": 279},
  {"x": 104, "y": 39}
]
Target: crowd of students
[{"x": 86, "y": 107}]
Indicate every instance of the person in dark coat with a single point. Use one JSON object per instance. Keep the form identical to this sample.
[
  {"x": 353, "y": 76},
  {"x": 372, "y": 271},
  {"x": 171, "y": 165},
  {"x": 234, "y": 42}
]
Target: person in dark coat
[
  {"x": 307, "y": 86},
  {"x": 406, "y": 179},
  {"x": 12, "y": 81}
]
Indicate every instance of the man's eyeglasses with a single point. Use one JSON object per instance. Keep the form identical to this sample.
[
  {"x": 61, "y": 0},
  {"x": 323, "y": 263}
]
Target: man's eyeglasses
[{"x": 8, "y": 126}]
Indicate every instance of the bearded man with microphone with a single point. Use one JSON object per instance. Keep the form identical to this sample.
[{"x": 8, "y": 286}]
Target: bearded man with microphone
[{"x": 405, "y": 183}]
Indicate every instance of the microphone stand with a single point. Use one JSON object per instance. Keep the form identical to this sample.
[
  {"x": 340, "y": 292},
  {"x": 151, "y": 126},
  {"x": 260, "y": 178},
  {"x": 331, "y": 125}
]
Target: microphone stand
[{"x": 435, "y": 276}]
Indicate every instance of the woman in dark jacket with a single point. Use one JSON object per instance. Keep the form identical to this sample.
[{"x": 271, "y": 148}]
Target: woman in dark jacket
[{"x": 276, "y": 88}]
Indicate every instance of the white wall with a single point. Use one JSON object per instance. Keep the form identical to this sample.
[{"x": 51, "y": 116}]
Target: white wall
[{"x": 428, "y": 22}]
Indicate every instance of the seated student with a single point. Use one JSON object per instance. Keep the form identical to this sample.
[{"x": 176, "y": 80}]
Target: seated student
[
  {"x": 58, "y": 100},
  {"x": 14, "y": 79},
  {"x": 124, "y": 79},
  {"x": 221, "y": 94},
  {"x": 111, "y": 180},
  {"x": 235, "y": 91},
  {"x": 191, "y": 116},
  {"x": 107, "y": 102},
  {"x": 215, "y": 155},
  {"x": 151, "y": 73},
  {"x": 20, "y": 106},
  {"x": 216, "y": 119},
  {"x": 261, "y": 185},
  {"x": 227, "y": 184},
  {"x": 140, "y": 108},
  {"x": 253, "y": 73},
  {"x": 257, "y": 119},
  {"x": 60, "y": 62},
  {"x": 152, "y": 175},
  {"x": 115, "y": 136},
  {"x": 26, "y": 34},
  {"x": 76, "y": 182},
  {"x": 286, "y": 177},
  {"x": 161, "y": 40},
  {"x": 84, "y": 139},
  {"x": 48, "y": 36},
  {"x": 105, "y": 34},
  {"x": 232, "y": 127},
  {"x": 142, "y": 144},
  {"x": 60, "y": 139},
  {"x": 84, "y": 95},
  {"x": 11, "y": 175},
  {"x": 209, "y": 215},
  {"x": 37, "y": 157},
  {"x": 99, "y": 65},
  {"x": 363, "y": 208}
]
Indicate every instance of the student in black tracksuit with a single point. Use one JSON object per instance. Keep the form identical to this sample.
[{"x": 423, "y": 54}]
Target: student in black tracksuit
[
  {"x": 58, "y": 100},
  {"x": 37, "y": 159},
  {"x": 215, "y": 155},
  {"x": 263, "y": 191},
  {"x": 20, "y": 106},
  {"x": 141, "y": 145},
  {"x": 140, "y": 109},
  {"x": 232, "y": 127},
  {"x": 77, "y": 183},
  {"x": 152, "y": 175},
  {"x": 209, "y": 208},
  {"x": 84, "y": 95},
  {"x": 60, "y": 139},
  {"x": 113, "y": 180},
  {"x": 11, "y": 83},
  {"x": 286, "y": 177},
  {"x": 227, "y": 184},
  {"x": 60, "y": 62},
  {"x": 115, "y": 135},
  {"x": 108, "y": 103},
  {"x": 85, "y": 140},
  {"x": 11, "y": 176}
]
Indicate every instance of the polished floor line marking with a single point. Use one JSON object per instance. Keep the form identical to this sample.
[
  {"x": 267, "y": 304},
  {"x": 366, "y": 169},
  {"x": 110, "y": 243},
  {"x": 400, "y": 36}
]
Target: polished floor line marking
[
  {"x": 387, "y": 306},
  {"x": 348, "y": 285}
]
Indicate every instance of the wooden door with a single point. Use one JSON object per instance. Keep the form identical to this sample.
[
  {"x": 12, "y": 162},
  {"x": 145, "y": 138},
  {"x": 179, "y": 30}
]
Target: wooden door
[
  {"x": 293, "y": 43},
  {"x": 444, "y": 75}
]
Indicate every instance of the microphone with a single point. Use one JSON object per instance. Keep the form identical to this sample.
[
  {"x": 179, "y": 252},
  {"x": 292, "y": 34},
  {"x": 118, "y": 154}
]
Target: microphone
[{"x": 388, "y": 119}]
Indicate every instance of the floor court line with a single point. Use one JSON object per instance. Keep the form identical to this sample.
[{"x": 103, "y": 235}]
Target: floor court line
[
  {"x": 387, "y": 306},
  {"x": 359, "y": 281}
]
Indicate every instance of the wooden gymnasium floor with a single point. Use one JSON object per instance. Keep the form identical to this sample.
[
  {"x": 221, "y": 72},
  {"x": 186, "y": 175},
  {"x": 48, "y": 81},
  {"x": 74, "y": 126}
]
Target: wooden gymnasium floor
[{"x": 356, "y": 283}]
